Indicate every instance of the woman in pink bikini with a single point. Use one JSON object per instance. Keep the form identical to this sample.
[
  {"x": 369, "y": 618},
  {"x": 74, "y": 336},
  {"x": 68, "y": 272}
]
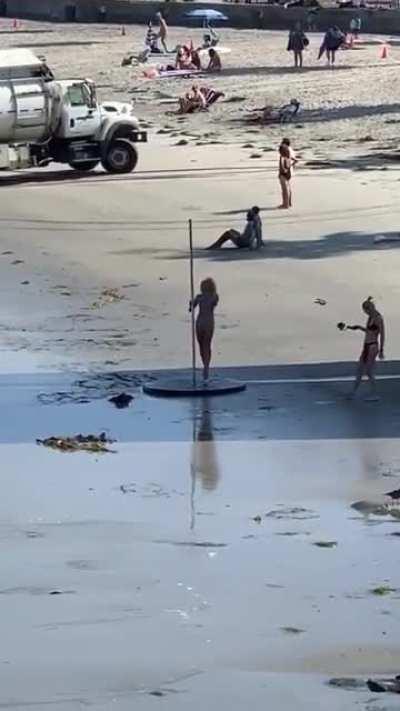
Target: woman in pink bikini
[
  {"x": 206, "y": 302},
  {"x": 373, "y": 347}
]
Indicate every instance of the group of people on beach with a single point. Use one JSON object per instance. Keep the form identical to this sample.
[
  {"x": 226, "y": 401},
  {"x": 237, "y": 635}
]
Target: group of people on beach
[
  {"x": 252, "y": 237},
  {"x": 334, "y": 39},
  {"x": 187, "y": 57}
]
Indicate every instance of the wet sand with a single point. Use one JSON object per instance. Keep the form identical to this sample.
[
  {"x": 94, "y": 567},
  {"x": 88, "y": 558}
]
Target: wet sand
[
  {"x": 214, "y": 559},
  {"x": 143, "y": 574}
]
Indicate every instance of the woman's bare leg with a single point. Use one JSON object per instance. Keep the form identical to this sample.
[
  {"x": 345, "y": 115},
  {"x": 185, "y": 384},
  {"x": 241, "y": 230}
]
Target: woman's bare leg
[
  {"x": 285, "y": 194},
  {"x": 206, "y": 356},
  {"x": 370, "y": 372},
  {"x": 229, "y": 235},
  {"x": 204, "y": 341},
  {"x": 359, "y": 375},
  {"x": 200, "y": 341}
]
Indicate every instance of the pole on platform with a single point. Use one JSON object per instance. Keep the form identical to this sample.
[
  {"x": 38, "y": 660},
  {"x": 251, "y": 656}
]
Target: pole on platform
[{"x": 192, "y": 301}]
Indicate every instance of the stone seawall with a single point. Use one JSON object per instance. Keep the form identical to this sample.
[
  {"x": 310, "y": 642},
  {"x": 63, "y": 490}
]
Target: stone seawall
[{"x": 239, "y": 16}]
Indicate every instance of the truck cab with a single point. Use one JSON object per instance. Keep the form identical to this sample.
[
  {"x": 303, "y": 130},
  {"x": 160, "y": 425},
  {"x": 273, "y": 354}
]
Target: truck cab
[{"x": 80, "y": 112}]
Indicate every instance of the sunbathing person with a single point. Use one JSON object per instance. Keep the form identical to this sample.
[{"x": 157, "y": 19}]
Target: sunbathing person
[
  {"x": 269, "y": 114},
  {"x": 184, "y": 60}
]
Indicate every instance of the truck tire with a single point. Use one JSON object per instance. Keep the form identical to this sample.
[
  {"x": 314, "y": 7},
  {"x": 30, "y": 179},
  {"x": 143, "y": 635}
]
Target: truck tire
[
  {"x": 121, "y": 156},
  {"x": 85, "y": 166}
]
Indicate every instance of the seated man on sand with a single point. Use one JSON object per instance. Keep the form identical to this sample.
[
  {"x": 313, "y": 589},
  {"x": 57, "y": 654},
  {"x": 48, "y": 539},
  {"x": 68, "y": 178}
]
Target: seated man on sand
[
  {"x": 193, "y": 100},
  {"x": 198, "y": 99},
  {"x": 250, "y": 238},
  {"x": 215, "y": 64}
]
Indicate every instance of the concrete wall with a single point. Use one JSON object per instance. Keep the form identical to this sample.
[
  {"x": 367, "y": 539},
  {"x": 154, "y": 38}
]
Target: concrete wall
[{"x": 240, "y": 16}]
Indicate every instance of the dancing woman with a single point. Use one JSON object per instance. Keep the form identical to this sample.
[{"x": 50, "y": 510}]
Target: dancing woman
[{"x": 206, "y": 302}]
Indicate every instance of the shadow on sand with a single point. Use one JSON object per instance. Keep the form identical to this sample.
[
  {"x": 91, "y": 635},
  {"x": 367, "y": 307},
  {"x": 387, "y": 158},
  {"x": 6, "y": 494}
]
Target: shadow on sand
[{"x": 331, "y": 245}]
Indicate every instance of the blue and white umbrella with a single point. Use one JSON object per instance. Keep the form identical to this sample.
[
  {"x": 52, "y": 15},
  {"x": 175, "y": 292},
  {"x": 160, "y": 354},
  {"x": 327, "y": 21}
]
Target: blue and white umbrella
[{"x": 208, "y": 14}]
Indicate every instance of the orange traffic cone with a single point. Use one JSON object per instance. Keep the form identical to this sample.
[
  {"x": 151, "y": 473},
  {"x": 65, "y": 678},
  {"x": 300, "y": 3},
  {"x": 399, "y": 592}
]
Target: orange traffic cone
[
  {"x": 123, "y": 33},
  {"x": 384, "y": 51}
]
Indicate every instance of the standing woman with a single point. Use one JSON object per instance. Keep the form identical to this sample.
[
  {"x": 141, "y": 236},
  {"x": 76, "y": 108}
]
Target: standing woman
[
  {"x": 206, "y": 302},
  {"x": 374, "y": 343},
  {"x": 297, "y": 44},
  {"x": 285, "y": 176},
  {"x": 163, "y": 31}
]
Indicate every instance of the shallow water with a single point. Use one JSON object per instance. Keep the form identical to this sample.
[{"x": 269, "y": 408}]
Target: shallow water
[{"x": 165, "y": 581}]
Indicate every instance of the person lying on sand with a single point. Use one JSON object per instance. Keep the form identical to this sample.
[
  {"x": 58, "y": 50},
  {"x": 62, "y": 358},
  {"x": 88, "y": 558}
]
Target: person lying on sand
[
  {"x": 269, "y": 114},
  {"x": 215, "y": 64},
  {"x": 250, "y": 238}
]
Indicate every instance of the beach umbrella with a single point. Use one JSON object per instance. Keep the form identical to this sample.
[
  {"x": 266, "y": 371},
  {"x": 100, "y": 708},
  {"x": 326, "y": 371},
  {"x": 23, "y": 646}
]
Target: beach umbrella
[{"x": 207, "y": 15}]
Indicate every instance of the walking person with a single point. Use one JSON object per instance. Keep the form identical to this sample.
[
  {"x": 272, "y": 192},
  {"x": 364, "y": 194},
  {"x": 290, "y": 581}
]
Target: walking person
[
  {"x": 285, "y": 176},
  {"x": 205, "y": 301},
  {"x": 374, "y": 343},
  {"x": 163, "y": 31},
  {"x": 297, "y": 43},
  {"x": 333, "y": 39}
]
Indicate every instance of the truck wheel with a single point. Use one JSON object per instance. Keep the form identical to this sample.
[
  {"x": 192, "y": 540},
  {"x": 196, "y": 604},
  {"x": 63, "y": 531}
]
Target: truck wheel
[
  {"x": 121, "y": 157},
  {"x": 85, "y": 166}
]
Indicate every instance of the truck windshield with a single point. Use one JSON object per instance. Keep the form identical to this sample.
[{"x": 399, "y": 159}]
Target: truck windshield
[{"x": 77, "y": 96}]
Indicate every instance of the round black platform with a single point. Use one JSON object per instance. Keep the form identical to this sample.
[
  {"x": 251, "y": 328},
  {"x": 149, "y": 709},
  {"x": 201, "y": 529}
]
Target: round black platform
[{"x": 182, "y": 386}]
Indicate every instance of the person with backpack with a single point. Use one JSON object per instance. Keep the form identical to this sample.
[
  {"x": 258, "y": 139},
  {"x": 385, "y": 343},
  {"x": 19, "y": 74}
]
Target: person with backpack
[{"x": 297, "y": 43}]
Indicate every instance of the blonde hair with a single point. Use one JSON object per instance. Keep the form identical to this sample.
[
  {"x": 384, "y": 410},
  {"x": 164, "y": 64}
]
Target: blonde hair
[{"x": 208, "y": 286}]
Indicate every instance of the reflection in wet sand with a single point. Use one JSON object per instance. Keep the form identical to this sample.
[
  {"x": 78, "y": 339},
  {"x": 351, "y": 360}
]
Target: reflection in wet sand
[{"x": 204, "y": 461}]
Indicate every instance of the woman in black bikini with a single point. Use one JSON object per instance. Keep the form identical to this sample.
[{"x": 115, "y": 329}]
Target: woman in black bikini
[{"x": 374, "y": 342}]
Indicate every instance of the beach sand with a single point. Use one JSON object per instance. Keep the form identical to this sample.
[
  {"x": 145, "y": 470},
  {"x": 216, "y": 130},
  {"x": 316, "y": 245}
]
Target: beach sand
[{"x": 182, "y": 569}]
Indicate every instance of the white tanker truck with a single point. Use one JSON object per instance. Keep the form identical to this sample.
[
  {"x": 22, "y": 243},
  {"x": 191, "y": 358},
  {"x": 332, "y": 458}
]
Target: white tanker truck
[{"x": 44, "y": 120}]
